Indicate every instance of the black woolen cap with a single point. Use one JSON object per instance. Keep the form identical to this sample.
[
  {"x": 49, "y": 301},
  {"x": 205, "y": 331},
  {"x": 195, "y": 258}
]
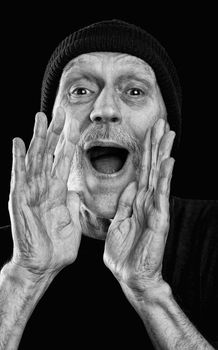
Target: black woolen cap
[{"x": 116, "y": 36}]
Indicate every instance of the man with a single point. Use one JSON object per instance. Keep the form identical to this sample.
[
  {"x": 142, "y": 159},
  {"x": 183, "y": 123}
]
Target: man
[{"x": 116, "y": 103}]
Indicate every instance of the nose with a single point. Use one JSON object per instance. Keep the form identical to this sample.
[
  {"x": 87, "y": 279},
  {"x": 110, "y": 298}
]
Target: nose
[{"x": 105, "y": 109}]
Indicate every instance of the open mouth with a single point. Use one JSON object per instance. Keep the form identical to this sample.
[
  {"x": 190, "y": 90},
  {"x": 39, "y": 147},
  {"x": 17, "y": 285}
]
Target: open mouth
[{"x": 107, "y": 160}]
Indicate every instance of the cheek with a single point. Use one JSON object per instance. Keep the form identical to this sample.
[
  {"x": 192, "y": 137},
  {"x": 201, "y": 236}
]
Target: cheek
[{"x": 140, "y": 121}]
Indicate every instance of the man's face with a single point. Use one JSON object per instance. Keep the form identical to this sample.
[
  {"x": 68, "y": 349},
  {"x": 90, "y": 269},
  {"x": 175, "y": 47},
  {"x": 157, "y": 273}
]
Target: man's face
[{"x": 115, "y": 98}]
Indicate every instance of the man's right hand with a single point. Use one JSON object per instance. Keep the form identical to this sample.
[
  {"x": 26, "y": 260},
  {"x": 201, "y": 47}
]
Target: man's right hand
[{"x": 44, "y": 215}]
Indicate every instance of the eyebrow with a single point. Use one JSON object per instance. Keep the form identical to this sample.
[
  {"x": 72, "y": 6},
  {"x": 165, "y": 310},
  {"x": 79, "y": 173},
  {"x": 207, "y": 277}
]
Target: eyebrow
[
  {"x": 76, "y": 76},
  {"x": 135, "y": 76}
]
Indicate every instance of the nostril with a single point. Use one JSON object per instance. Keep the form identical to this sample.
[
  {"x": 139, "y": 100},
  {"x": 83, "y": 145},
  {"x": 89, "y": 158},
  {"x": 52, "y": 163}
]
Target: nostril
[
  {"x": 100, "y": 119},
  {"x": 97, "y": 119},
  {"x": 114, "y": 119}
]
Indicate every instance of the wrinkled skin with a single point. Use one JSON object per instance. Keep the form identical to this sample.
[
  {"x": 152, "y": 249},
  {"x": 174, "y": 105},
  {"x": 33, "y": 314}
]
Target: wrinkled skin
[
  {"x": 136, "y": 239},
  {"x": 44, "y": 215},
  {"x": 45, "y": 206},
  {"x": 117, "y": 95}
]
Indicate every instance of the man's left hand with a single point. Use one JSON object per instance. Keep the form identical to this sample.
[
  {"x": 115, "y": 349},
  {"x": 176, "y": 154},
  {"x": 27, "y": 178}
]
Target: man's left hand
[{"x": 136, "y": 239}]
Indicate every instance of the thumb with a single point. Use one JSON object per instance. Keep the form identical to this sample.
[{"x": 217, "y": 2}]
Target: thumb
[
  {"x": 73, "y": 205},
  {"x": 125, "y": 203}
]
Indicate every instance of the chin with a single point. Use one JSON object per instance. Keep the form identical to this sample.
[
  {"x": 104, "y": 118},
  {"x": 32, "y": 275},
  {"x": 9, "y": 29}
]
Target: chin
[
  {"x": 104, "y": 205},
  {"x": 93, "y": 226},
  {"x": 97, "y": 213}
]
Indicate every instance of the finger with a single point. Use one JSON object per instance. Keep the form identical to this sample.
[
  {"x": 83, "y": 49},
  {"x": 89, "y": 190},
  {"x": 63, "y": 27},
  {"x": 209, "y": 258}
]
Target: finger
[
  {"x": 163, "y": 185},
  {"x": 55, "y": 129},
  {"x": 53, "y": 136},
  {"x": 18, "y": 163},
  {"x": 125, "y": 204},
  {"x": 146, "y": 159},
  {"x": 165, "y": 148},
  {"x": 167, "y": 127},
  {"x": 73, "y": 205},
  {"x": 63, "y": 160},
  {"x": 157, "y": 134},
  {"x": 36, "y": 149}
]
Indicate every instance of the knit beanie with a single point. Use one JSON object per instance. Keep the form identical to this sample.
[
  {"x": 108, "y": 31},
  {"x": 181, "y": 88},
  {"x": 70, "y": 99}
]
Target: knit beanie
[{"x": 116, "y": 36}]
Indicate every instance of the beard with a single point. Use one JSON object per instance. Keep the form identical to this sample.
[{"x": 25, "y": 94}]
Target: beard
[{"x": 92, "y": 224}]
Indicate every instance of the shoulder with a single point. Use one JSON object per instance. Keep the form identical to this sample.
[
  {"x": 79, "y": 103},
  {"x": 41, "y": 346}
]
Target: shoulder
[
  {"x": 200, "y": 214},
  {"x": 194, "y": 225},
  {"x": 192, "y": 242},
  {"x": 191, "y": 260},
  {"x": 197, "y": 206}
]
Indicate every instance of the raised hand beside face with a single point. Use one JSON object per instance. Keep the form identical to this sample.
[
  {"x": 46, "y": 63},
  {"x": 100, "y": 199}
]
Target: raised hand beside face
[
  {"x": 136, "y": 238},
  {"x": 44, "y": 214}
]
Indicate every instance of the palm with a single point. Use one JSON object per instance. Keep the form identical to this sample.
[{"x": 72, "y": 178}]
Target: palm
[
  {"x": 45, "y": 219},
  {"x": 134, "y": 236}
]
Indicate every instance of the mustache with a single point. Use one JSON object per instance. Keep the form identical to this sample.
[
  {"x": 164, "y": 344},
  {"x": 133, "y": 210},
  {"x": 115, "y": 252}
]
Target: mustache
[
  {"x": 113, "y": 133},
  {"x": 110, "y": 133}
]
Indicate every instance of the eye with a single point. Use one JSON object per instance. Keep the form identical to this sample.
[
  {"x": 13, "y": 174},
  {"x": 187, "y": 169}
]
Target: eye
[
  {"x": 79, "y": 91},
  {"x": 135, "y": 92}
]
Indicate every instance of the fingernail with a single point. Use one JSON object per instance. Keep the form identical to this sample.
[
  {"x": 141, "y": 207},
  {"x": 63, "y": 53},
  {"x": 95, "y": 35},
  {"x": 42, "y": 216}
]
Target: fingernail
[
  {"x": 16, "y": 145},
  {"x": 161, "y": 122},
  {"x": 39, "y": 115},
  {"x": 172, "y": 134},
  {"x": 167, "y": 127},
  {"x": 172, "y": 165},
  {"x": 59, "y": 109}
]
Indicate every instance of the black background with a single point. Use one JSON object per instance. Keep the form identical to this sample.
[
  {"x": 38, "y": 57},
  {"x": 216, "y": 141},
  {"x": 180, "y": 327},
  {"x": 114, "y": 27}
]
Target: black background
[{"x": 28, "y": 38}]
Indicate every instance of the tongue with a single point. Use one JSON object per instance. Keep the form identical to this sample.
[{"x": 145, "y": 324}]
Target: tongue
[{"x": 107, "y": 164}]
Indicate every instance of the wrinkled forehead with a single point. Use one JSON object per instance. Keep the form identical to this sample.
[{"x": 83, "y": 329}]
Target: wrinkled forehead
[{"x": 111, "y": 60}]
